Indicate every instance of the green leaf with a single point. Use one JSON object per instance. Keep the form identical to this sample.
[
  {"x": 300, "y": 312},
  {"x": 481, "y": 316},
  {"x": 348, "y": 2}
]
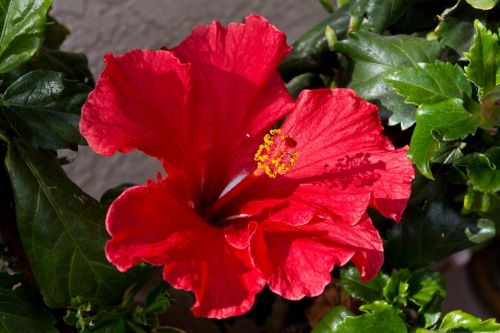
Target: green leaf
[
  {"x": 396, "y": 289},
  {"x": 303, "y": 81},
  {"x": 45, "y": 107},
  {"x": 427, "y": 235},
  {"x": 62, "y": 231},
  {"x": 459, "y": 320},
  {"x": 449, "y": 120},
  {"x": 310, "y": 53},
  {"x": 484, "y": 57},
  {"x": 327, "y": 5},
  {"x": 376, "y": 15},
  {"x": 427, "y": 292},
  {"x": 402, "y": 114},
  {"x": 430, "y": 83},
  {"x": 456, "y": 27},
  {"x": 487, "y": 205},
  {"x": 23, "y": 25},
  {"x": 379, "y": 317},
  {"x": 21, "y": 309},
  {"x": 482, "y": 170},
  {"x": 55, "y": 34},
  {"x": 377, "y": 56},
  {"x": 483, "y": 4},
  {"x": 369, "y": 292},
  {"x": 487, "y": 231}
]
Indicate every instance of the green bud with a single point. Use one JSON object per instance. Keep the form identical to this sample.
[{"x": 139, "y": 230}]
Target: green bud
[{"x": 490, "y": 105}]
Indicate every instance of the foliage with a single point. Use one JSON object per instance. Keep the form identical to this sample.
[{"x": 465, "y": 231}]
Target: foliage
[{"x": 436, "y": 82}]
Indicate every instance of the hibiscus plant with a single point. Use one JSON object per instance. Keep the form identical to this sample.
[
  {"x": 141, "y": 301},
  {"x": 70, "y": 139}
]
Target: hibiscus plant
[{"x": 330, "y": 180}]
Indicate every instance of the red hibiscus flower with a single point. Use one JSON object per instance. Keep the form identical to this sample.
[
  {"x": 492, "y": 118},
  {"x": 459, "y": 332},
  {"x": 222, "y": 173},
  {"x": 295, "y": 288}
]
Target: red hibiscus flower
[{"x": 242, "y": 205}]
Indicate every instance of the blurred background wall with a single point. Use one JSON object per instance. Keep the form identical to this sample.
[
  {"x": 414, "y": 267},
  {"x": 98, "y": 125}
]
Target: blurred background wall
[{"x": 100, "y": 26}]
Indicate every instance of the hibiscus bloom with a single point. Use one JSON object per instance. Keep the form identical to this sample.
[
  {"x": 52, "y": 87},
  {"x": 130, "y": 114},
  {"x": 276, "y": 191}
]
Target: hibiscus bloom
[{"x": 243, "y": 205}]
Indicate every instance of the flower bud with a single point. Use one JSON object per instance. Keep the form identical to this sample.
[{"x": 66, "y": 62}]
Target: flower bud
[{"x": 490, "y": 105}]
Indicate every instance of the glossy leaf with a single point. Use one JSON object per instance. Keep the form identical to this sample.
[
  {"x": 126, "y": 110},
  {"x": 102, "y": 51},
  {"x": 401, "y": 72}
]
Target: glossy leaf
[
  {"x": 23, "y": 24},
  {"x": 449, "y": 120},
  {"x": 45, "y": 107},
  {"x": 459, "y": 320},
  {"x": 369, "y": 292},
  {"x": 430, "y": 83},
  {"x": 484, "y": 57},
  {"x": 482, "y": 170},
  {"x": 377, "y": 56},
  {"x": 379, "y": 317},
  {"x": 310, "y": 52},
  {"x": 427, "y": 292},
  {"x": 483, "y": 4},
  {"x": 376, "y": 15},
  {"x": 21, "y": 309},
  {"x": 428, "y": 235},
  {"x": 62, "y": 231},
  {"x": 396, "y": 289}
]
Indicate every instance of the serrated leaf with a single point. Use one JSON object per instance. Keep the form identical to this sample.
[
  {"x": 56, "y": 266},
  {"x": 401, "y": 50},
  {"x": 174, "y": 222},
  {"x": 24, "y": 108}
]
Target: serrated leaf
[
  {"x": 482, "y": 170},
  {"x": 62, "y": 231},
  {"x": 377, "y": 56},
  {"x": 23, "y": 26},
  {"x": 483, "y": 4},
  {"x": 448, "y": 119},
  {"x": 376, "y": 15},
  {"x": 45, "y": 107},
  {"x": 403, "y": 114},
  {"x": 459, "y": 320},
  {"x": 484, "y": 58},
  {"x": 428, "y": 235},
  {"x": 369, "y": 292},
  {"x": 21, "y": 309},
  {"x": 379, "y": 317},
  {"x": 430, "y": 83}
]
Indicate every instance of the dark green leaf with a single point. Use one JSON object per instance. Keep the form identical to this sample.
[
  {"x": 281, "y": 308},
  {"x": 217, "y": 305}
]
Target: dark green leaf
[
  {"x": 484, "y": 57},
  {"x": 369, "y": 292},
  {"x": 327, "y": 5},
  {"x": 55, "y": 34},
  {"x": 447, "y": 119},
  {"x": 402, "y": 113},
  {"x": 456, "y": 27},
  {"x": 482, "y": 170},
  {"x": 21, "y": 309},
  {"x": 62, "y": 231},
  {"x": 377, "y": 56},
  {"x": 23, "y": 24},
  {"x": 430, "y": 83},
  {"x": 483, "y": 4},
  {"x": 376, "y": 15},
  {"x": 45, "y": 107},
  {"x": 426, "y": 290},
  {"x": 310, "y": 53},
  {"x": 457, "y": 321},
  {"x": 429, "y": 234},
  {"x": 73, "y": 65},
  {"x": 110, "y": 195},
  {"x": 485, "y": 204},
  {"x": 379, "y": 317}
]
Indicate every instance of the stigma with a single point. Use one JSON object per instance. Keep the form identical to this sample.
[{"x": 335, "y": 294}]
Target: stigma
[{"x": 277, "y": 155}]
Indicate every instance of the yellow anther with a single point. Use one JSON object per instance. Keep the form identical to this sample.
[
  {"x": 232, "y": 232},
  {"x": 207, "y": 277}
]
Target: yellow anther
[{"x": 277, "y": 155}]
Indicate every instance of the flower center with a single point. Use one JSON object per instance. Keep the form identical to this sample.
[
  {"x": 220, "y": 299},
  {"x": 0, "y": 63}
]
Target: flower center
[{"x": 277, "y": 155}]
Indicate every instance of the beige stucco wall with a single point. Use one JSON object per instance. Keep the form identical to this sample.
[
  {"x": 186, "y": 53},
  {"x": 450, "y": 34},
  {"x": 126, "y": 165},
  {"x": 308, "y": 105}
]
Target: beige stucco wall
[{"x": 100, "y": 26}]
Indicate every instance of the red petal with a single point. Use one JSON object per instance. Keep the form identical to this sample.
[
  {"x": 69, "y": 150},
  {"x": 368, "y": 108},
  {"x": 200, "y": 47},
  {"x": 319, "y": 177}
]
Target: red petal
[
  {"x": 148, "y": 224},
  {"x": 298, "y": 259},
  {"x": 139, "y": 97},
  {"x": 343, "y": 161},
  {"x": 237, "y": 93}
]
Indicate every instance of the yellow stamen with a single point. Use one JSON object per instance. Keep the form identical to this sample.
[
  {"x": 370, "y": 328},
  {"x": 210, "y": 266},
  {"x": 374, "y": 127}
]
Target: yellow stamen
[{"x": 277, "y": 155}]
